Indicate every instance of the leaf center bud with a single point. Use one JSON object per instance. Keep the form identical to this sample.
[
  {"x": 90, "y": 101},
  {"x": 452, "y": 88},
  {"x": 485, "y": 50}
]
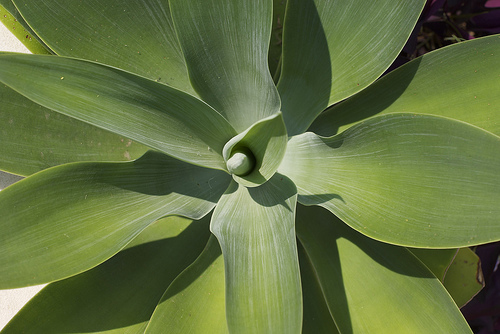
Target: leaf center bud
[{"x": 241, "y": 162}]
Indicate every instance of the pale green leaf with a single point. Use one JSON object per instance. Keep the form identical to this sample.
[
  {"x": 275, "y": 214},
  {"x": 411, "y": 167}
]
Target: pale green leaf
[
  {"x": 461, "y": 81},
  {"x": 372, "y": 287},
  {"x": 136, "y": 36},
  {"x": 255, "y": 229},
  {"x": 225, "y": 44},
  {"x": 266, "y": 140},
  {"x": 464, "y": 279},
  {"x": 69, "y": 218},
  {"x": 143, "y": 110},
  {"x": 194, "y": 302},
  {"x": 409, "y": 179},
  {"x": 34, "y": 138},
  {"x": 333, "y": 49},
  {"x": 120, "y": 295}
]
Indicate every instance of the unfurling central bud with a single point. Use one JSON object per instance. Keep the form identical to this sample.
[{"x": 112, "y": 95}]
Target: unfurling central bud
[{"x": 241, "y": 162}]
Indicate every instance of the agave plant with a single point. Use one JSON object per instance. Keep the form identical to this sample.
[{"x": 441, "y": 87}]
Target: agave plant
[{"x": 192, "y": 170}]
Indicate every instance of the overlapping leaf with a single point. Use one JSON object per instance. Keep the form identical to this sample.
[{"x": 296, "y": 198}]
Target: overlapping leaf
[
  {"x": 255, "y": 229},
  {"x": 333, "y": 49},
  {"x": 225, "y": 44},
  {"x": 461, "y": 81},
  {"x": 413, "y": 180},
  {"x": 266, "y": 140},
  {"x": 100, "y": 207},
  {"x": 120, "y": 295},
  {"x": 371, "y": 286},
  {"x": 34, "y": 138},
  {"x": 136, "y": 36},
  {"x": 194, "y": 302},
  {"x": 143, "y": 110}
]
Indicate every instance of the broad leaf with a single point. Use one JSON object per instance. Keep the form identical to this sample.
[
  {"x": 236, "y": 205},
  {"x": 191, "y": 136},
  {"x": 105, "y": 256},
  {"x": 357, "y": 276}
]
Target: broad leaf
[
  {"x": 255, "y": 229},
  {"x": 137, "y": 36},
  {"x": 409, "y": 179},
  {"x": 465, "y": 278},
  {"x": 266, "y": 140},
  {"x": 225, "y": 43},
  {"x": 194, "y": 302},
  {"x": 34, "y": 138},
  {"x": 460, "y": 81},
  {"x": 333, "y": 49},
  {"x": 372, "y": 287},
  {"x": 120, "y": 295},
  {"x": 99, "y": 208},
  {"x": 140, "y": 109}
]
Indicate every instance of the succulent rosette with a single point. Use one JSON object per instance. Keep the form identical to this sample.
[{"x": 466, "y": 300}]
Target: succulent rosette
[{"x": 193, "y": 171}]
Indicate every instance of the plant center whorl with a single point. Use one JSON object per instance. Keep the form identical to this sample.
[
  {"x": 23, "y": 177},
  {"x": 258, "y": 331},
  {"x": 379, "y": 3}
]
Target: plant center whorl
[{"x": 241, "y": 162}]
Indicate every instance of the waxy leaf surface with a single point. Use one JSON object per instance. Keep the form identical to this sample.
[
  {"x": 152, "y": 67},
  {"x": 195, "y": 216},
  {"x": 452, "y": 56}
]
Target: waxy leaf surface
[
  {"x": 136, "y": 36},
  {"x": 120, "y": 295},
  {"x": 256, "y": 232},
  {"x": 100, "y": 207},
  {"x": 333, "y": 49},
  {"x": 373, "y": 287},
  {"x": 225, "y": 43},
  {"x": 267, "y": 140},
  {"x": 461, "y": 81},
  {"x": 34, "y": 138},
  {"x": 413, "y": 180},
  {"x": 143, "y": 110},
  {"x": 194, "y": 302}
]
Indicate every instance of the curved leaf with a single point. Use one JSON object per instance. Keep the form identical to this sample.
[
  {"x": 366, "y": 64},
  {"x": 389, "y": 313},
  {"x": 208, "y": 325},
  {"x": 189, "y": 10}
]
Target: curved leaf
[
  {"x": 333, "y": 49},
  {"x": 368, "y": 284},
  {"x": 414, "y": 180},
  {"x": 465, "y": 278},
  {"x": 69, "y": 218},
  {"x": 11, "y": 18},
  {"x": 266, "y": 140},
  {"x": 317, "y": 317},
  {"x": 136, "y": 36},
  {"x": 225, "y": 43},
  {"x": 460, "y": 81},
  {"x": 436, "y": 260},
  {"x": 140, "y": 109},
  {"x": 34, "y": 138},
  {"x": 194, "y": 302},
  {"x": 255, "y": 229},
  {"x": 120, "y": 295}
]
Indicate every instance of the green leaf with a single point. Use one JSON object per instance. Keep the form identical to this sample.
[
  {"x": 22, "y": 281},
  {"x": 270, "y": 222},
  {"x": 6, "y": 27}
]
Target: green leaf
[
  {"x": 69, "y": 218},
  {"x": 34, "y": 138},
  {"x": 465, "y": 278},
  {"x": 11, "y": 18},
  {"x": 459, "y": 81},
  {"x": 140, "y": 109},
  {"x": 136, "y": 36},
  {"x": 255, "y": 229},
  {"x": 317, "y": 317},
  {"x": 225, "y": 44},
  {"x": 436, "y": 260},
  {"x": 276, "y": 42},
  {"x": 120, "y": 295},
  {"x": 194, "y": 302},
  {"x": 368, "y": 284},
  {"x": 409, "y": 179},
  {"x": 266, "y": 140},
  {"x": 333, "y": 49}
]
